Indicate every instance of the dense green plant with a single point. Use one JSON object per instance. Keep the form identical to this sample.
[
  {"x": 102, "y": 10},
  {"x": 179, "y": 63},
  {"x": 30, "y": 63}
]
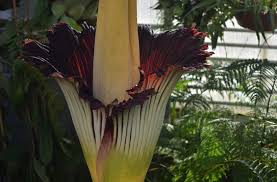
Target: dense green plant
[
  {"x": 73, "y": 11},
  {"x": 259, "y": 16},
  {"x": 202, "y": 142},
  {"x": 255, "y": 79},
  {"x": 211, "y": 15},
  {"x": 36, "y": 144},
  {"x": 263, "y": 5},
  {"x": 219, "y": 146}
]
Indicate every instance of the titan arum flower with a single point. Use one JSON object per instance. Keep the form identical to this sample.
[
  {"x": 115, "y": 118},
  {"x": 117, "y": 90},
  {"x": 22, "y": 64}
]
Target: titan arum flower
[{"x": 116, "y": 81}]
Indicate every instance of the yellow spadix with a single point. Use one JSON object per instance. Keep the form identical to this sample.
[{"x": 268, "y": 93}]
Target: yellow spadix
[{"x": 116, "y": 55}]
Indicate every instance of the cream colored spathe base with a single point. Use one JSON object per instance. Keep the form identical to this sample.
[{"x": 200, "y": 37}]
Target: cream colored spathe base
[{"x": 136, "y": 131}]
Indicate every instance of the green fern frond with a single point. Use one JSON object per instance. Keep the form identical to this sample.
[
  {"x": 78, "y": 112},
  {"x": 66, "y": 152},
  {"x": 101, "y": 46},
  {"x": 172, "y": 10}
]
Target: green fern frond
[{"x": 261, "y": 171}]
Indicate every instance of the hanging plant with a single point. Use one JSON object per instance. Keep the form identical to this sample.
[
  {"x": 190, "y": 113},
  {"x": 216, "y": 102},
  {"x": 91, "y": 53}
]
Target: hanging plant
[
  {"x": 209, "y": 15},
  {"x": 256, "y": 15}
]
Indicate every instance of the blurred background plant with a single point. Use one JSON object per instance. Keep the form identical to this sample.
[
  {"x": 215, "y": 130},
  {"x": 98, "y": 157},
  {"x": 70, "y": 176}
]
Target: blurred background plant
[
  {"x": 200, "y": 141},
  {"x": 37, "y": 137},
  {"x": 74, "y": 12},
  {"x": 205, "y": 142},
  {"x": 211, "y": 15}
]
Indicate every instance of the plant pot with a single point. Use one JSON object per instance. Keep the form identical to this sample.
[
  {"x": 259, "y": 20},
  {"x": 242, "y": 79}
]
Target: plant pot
[{"x": 249, "y": 20}]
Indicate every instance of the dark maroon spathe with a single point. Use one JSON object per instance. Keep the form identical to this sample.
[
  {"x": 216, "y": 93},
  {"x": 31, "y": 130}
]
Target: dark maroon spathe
[{"x": 70, "y": 54}]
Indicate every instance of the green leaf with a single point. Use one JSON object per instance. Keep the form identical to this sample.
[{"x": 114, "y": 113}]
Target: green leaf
[
  {"x": 46, "y": 142},
  {"x": 70, "y": 3},
  {"x": 76, "y": 11},
  {"x": 58, "y": 9},
  {"x": 91, "y": 10},
  {"x": 72, "y": 23},
  {"x": 40, "y": 170},
  {"x": 11, "y": 154},
  {"x": 6, "y": 36}
]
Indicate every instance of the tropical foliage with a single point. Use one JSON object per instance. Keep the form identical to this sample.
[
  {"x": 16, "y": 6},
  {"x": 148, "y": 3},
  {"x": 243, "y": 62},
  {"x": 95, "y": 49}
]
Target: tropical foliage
[
  {"x": 203, "y": 142},
  {"x": 211, "y": 15}
]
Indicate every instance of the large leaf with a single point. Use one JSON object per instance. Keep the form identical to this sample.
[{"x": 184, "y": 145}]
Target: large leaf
[{"x": 40, "y": 171}]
